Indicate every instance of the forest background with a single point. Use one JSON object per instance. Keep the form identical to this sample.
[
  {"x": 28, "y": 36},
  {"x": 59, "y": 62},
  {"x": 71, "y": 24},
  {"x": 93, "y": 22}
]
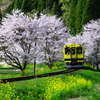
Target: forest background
[{"x": 75, "y": 13}]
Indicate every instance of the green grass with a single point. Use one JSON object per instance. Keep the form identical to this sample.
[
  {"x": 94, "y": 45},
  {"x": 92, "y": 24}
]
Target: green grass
[
  {"x": 91, "y": 75},
  {"x": 84, "y": 83},
  {"x": 6, "y": 72},
  {"x": 49, "y": 88}
]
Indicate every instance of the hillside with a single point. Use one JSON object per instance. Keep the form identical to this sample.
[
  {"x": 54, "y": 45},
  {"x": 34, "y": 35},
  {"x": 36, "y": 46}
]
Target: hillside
[{"x": 4, "y": 4}]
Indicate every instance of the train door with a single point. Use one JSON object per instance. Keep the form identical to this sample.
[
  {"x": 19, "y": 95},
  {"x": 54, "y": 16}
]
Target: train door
[{"x": 73, "y": 54}]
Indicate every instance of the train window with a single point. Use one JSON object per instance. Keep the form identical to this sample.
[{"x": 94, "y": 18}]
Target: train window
[
  {"x": 67, "y": 50},
  {"x": 79, "y": 50}
]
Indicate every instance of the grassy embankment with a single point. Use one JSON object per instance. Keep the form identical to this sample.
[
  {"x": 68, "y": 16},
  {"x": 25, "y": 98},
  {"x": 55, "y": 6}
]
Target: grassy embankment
[{"x": 84, "y": 83}]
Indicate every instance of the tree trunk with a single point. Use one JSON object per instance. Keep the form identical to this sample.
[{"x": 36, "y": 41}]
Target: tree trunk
[
  {"x": 23, "y": 72},
  {"x": 49, "y": 65},
  {"x": 34, "y": 65},
  {"x": 97, "y": 67},
  {"x": 35, "y": 61}
]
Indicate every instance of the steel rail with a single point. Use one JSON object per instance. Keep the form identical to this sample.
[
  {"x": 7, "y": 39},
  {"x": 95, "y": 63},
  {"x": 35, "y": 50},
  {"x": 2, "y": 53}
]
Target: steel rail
[
  {"x": 37, "y": 76},
  {"x": 44, "y": 75}
]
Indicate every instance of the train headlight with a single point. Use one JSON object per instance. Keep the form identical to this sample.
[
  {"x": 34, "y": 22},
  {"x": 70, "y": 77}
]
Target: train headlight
[{"x": 78, "y": 45}]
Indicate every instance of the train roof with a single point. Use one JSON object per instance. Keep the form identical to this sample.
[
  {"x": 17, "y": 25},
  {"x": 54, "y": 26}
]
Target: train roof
[{"x": 73, "y": 45}]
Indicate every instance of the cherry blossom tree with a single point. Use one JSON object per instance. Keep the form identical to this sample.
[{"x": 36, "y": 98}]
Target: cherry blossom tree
[
  {"x": 90, "y": 38},
  {"x": 53, "y": 37},
  {"x": 24, "y": 40},
  {"x": 18, "y": 35},
  {"x": 91, "y": 35}
]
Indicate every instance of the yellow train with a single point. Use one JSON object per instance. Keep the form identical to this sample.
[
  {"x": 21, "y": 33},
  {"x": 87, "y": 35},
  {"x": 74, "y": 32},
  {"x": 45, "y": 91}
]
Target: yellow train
[{"x": 74, "y": 55}]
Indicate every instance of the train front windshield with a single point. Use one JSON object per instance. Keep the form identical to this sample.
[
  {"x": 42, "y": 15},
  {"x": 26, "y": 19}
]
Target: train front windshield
[{"x": 72, "y": 50}]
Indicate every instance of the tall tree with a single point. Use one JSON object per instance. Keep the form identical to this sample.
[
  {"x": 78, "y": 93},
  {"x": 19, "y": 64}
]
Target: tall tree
[
  {"x": 86, "y": 15},
  {"x": 65, "y": 7},
  {"x": 82, "y": 12},
  {"x": 54, "y": 9},
  {"x": 34, "y": 4},
  {"x": 49, "y": 3},
  {"x": 71, "y": 22},
  {"x": 95, "y": 9},
  {"x": 26, "y": 6},
  {"x": 23, "y": 6},
  {"x": 40, "y": 5},
  {"x": 17, "y": 4},
  {"x": 78, "y": 15}
]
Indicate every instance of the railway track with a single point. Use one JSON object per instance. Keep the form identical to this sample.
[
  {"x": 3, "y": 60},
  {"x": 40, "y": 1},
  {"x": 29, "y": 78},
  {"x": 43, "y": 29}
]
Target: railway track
[
  {"x": 45, "y": 75},
  {"x": 37, "y": 76}
]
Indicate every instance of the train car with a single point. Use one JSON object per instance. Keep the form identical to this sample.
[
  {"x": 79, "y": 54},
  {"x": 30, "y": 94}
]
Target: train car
[{"x": 74, "y": 55}]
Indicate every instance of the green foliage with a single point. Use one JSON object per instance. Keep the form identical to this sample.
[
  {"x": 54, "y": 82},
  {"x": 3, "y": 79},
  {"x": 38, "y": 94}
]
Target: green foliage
[
  {"x": 49, "y": 3},
  {"x": 54, "y": 10},
  {"x": 24, "y": 5},
  {"x": 36, "y": 5},
  {"x": 68, "y": 86},
  {"x": 78, "y": 15},
  {"x": 75, "y": 13},
  {"x": 91, "y": 75},
  {"x": 65, "y": 7},
  {"x": 54, "y": 88},
  {"x": 81, "y": 12},
  {"x": 94, "y": 9},
  {"x": 16, "y": 4},
  {"x": 86, "y": 15},
  {"x": 10, "y": 7},
  {"x": 49, "y": 88},
  {"x": 11, "y": 72},
  {"x": 40, "y": 5},
  {"x": 7, "y": 92},
  {"x": 72, "y": 18}
]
